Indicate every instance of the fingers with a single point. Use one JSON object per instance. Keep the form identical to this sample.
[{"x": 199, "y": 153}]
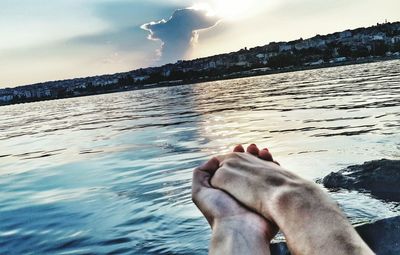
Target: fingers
[
  {"x": 202, "y": 175},
  {"x": 263, "y": 154},
  {"x": 266, "y": 155},
  {"x": 210, "y": 166},
  {"x": 238, "y": 148},
  {"x": 253, "y": 149}
]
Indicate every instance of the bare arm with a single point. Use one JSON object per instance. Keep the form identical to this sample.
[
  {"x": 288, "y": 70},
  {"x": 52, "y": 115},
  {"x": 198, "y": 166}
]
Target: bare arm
[
  {"x": 235, "y": 229},
  {"x": 311, "y": 222},
  {"x": 233, "y": 238}
]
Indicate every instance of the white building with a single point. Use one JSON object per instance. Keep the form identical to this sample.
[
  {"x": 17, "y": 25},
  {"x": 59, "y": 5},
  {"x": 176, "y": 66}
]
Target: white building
[
  {"x": 377, "y": 38},
  {"x": 396, "y": 39},
  {"x": 141, "y": 78},
  {"x": 317, "y": 63},
  {"x": 6, "y": 98},
  {"x": 345, "y": 34},
  {"x": 243, "y": 63},
  {"x": 285, "y": 47},
  {"x": 211, "y": 64}
]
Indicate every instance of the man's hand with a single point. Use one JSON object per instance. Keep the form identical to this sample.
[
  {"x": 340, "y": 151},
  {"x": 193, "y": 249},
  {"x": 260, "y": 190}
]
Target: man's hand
[
  {"x": 236, "y": 229},
  {"x": 311, "y": 222}
]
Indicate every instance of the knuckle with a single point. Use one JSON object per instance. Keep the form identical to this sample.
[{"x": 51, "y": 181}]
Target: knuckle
[{"x": 196, "y": 172}]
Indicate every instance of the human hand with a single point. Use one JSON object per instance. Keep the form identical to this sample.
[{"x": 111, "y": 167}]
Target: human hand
[
  {"x": 310, "y": 220},
  {"x": 227, "y": 217}
]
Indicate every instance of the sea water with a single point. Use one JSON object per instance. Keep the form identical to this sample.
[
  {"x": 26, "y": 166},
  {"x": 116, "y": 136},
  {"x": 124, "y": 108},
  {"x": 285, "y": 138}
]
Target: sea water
[{"x": 111, "y": 174}]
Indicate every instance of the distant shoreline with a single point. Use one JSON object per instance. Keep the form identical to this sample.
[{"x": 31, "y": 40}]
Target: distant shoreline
[
  {"x": 238, "y": 75},
  {"x": 349, "y": 47},
  {"x": 290, "y": 70}
]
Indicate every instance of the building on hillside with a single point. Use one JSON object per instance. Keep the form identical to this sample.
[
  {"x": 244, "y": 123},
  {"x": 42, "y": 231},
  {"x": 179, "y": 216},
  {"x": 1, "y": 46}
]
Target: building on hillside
[
  {"x": 395, "y": 39},
  {"x": 345, "y": 34},
  {"x": 285, "y": 47}
]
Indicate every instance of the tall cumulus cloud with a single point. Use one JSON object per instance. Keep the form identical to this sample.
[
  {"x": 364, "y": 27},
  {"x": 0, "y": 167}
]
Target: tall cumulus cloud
[{"x": 179, "y": 33}]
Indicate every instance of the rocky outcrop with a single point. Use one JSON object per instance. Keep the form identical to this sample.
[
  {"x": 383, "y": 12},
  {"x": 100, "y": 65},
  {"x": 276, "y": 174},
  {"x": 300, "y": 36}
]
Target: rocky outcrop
[
  {"x": 382, "y": 236},
  {"x": 381, "y": 178}
]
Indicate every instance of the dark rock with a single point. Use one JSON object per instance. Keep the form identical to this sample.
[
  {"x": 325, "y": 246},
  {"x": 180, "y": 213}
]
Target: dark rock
[
  {"x": 380, "y": 177},
  {"x": 279, "y": 249},
  {"x": 383, "y": 237}
]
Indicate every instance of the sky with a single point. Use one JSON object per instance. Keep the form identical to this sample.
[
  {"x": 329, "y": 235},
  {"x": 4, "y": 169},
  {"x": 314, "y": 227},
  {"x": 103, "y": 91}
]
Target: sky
[{"x": 43, "y": 40}]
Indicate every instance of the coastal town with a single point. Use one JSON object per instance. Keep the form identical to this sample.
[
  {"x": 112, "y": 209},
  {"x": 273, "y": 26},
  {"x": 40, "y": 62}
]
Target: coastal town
[{"x": 380, "y": 42}]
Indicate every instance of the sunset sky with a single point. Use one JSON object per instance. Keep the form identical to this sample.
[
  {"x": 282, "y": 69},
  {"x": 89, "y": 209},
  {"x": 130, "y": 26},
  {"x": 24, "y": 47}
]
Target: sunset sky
[{"x": 43, "y": 40}]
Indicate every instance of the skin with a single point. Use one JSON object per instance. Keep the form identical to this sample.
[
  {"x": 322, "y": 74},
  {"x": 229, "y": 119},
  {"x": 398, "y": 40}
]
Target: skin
[
  {"x": 311, "y": 222},
  {"x": 235, "y": 229}
]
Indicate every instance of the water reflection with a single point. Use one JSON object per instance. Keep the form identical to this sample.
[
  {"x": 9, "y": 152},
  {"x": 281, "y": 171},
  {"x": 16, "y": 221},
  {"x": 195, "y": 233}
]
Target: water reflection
[{"x": 112, "y": 173}]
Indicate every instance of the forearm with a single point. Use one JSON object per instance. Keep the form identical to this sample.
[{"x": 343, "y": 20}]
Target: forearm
[
  {"x": 311, "y": 221},
  {"x": 314, "y": 224},
  {"x": 231, "y": 238}
]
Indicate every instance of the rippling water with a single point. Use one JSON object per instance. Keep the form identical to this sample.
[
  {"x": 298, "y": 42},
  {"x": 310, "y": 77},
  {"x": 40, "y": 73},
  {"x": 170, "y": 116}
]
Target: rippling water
[{"x": 112, "y": 173}]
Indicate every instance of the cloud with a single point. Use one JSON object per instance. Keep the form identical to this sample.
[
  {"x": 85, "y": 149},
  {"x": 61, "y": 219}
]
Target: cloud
[{"x": 179, "y": 33}]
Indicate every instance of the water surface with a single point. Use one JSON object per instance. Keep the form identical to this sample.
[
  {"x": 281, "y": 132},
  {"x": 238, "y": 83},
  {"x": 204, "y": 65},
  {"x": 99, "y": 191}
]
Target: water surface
[{"x": 111, "y": 174}]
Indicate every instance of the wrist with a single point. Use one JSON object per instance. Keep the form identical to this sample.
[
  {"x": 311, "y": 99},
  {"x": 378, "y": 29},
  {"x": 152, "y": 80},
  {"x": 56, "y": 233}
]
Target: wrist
[
  {"x": 230, "y": 236},
  {"x": 243, "y": 224}
]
